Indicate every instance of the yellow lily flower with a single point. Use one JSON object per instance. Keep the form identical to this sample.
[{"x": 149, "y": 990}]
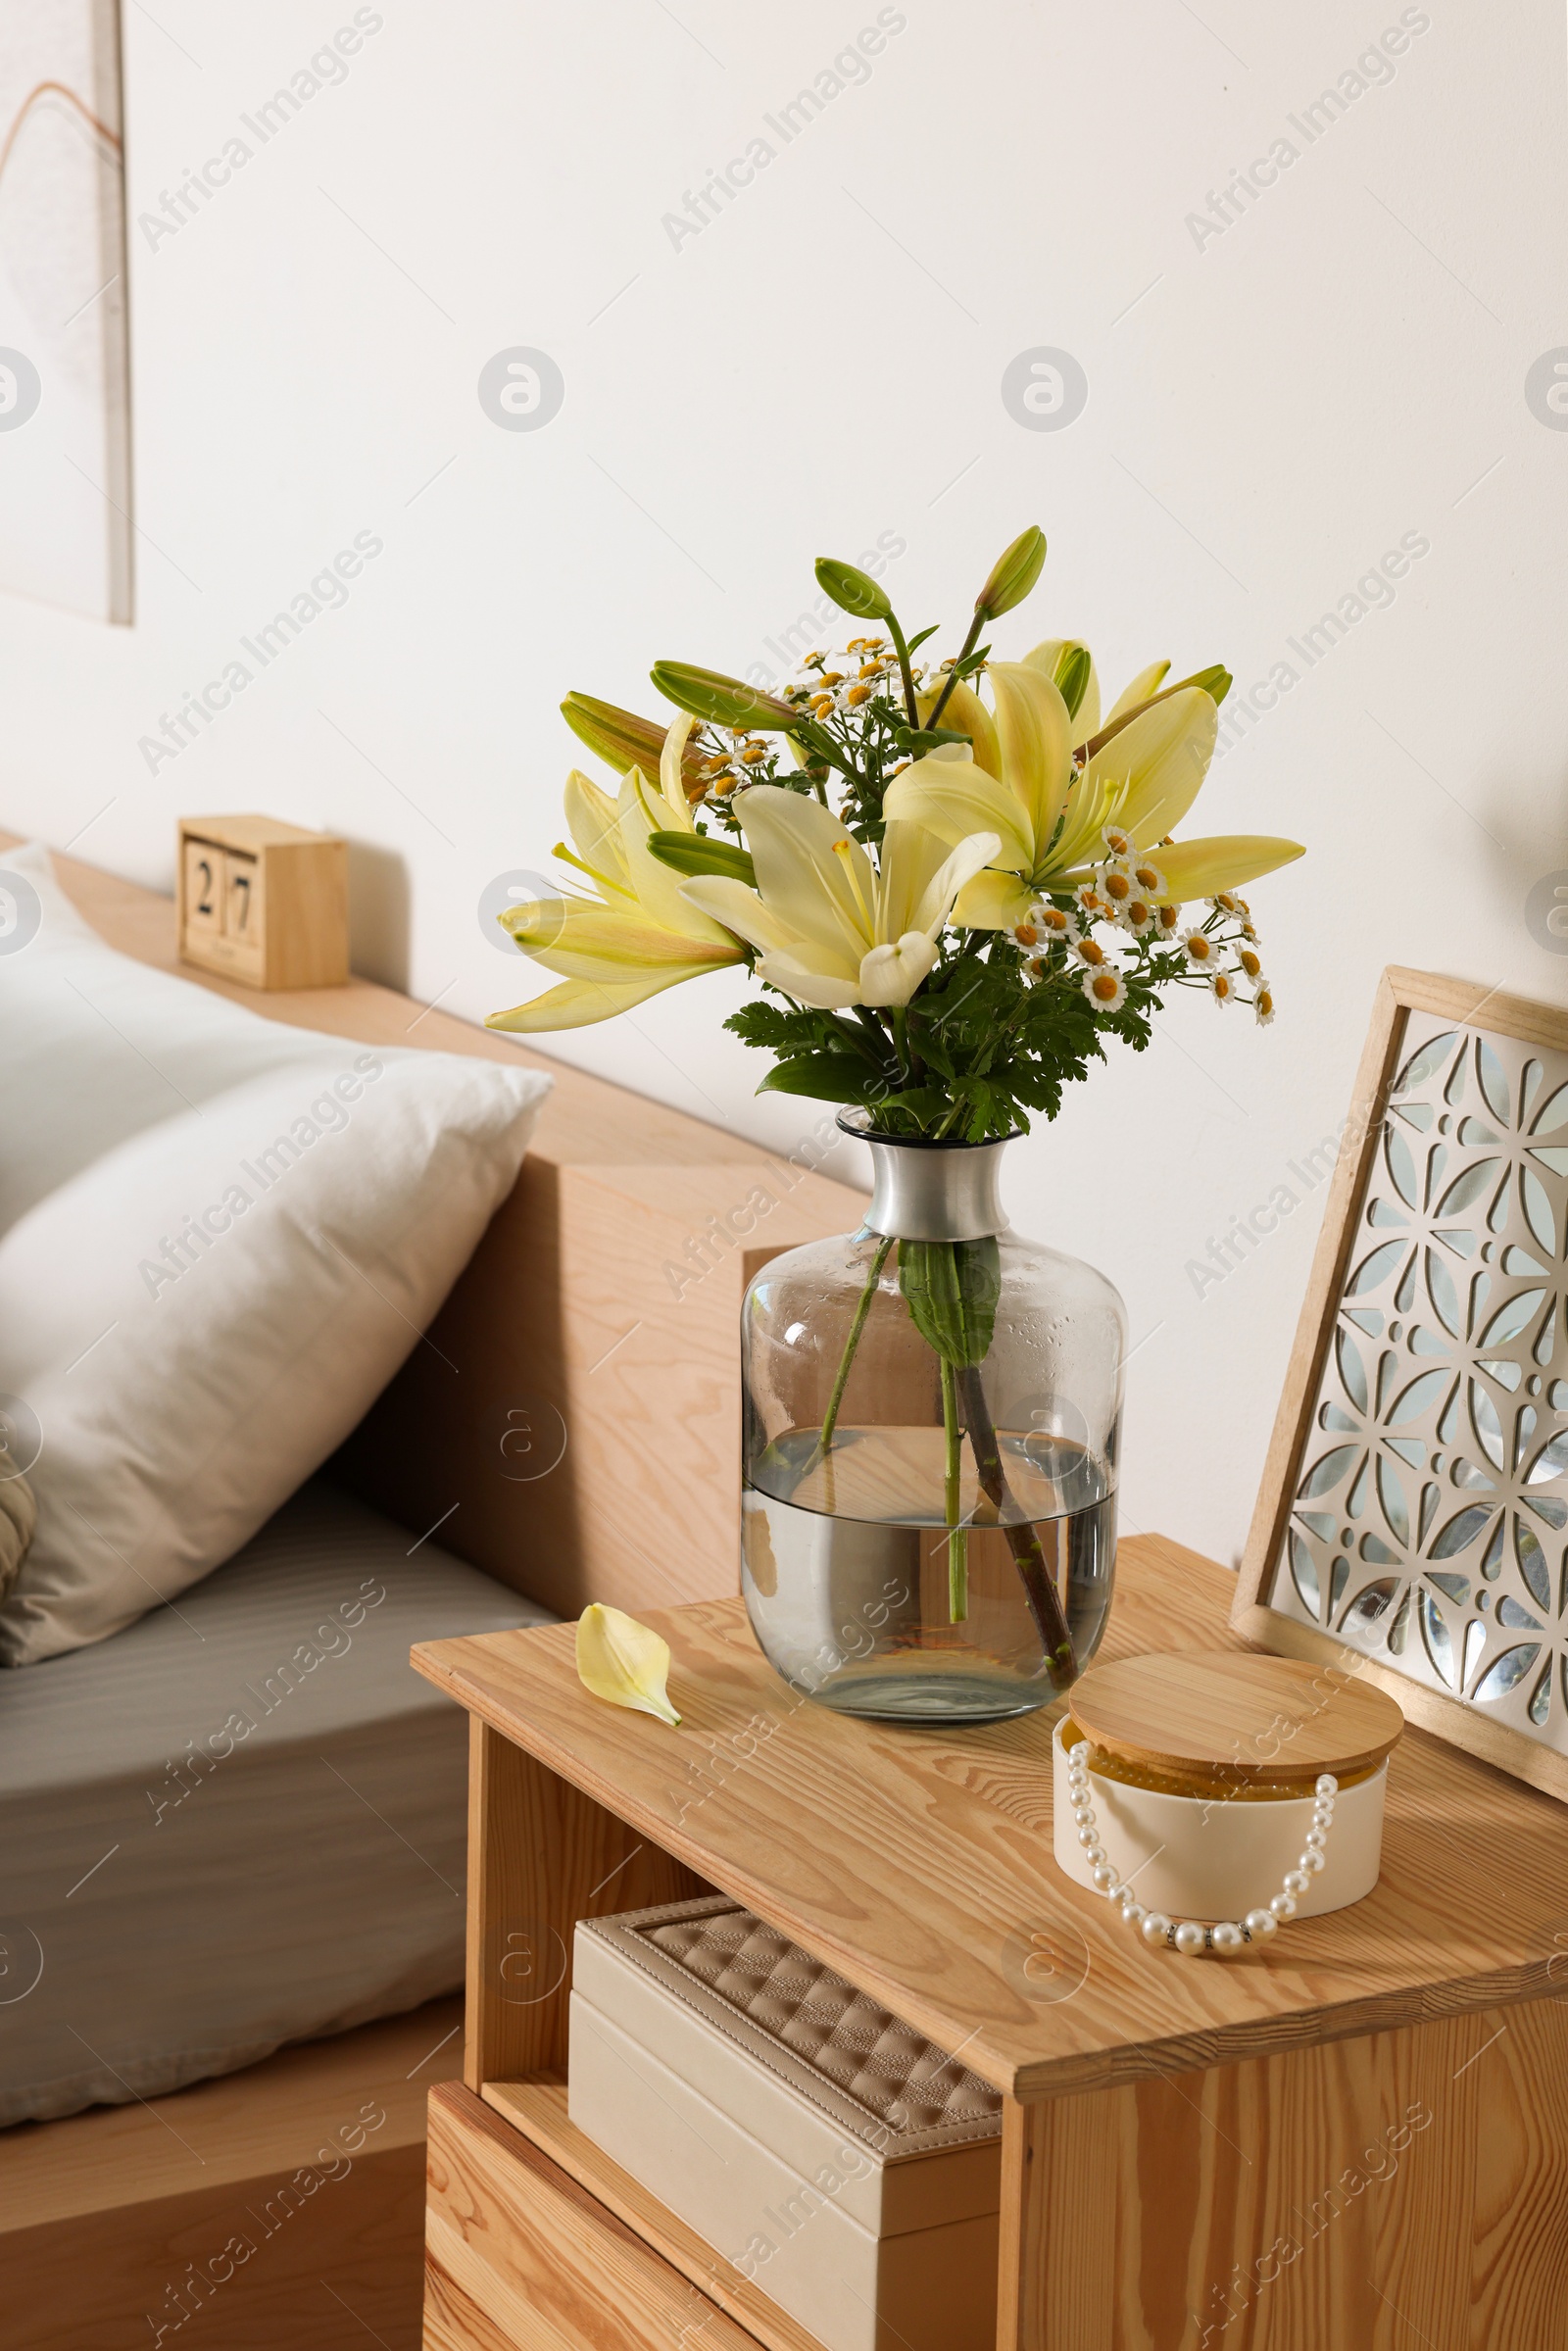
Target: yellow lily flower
[
  {"x": 967, "y": 714},
  {"x": 833, "y": 930},
  {"x": 1050, "y": 813},
  {"x": 636, "y": 933}
]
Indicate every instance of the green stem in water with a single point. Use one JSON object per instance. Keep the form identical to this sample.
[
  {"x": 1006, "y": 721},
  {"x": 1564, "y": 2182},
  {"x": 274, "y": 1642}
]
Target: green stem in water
[
  {"x": 1038, "y": 1586},
  {"x": 957, "y": 1531},
  {"x": 840, "y": 1380}
]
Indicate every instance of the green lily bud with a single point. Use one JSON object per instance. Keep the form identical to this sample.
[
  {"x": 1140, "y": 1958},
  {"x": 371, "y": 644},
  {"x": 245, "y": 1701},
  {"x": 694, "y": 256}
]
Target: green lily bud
[
  {"x": 620, "y": 738},
  {"x": 724, "y": 700},
  {"x": 700, "y": 853},
  {"x": 1072, "y": 676},
  {"x": 1215, "y": 681},
  {"x": 1013, "y": 574},
  {"x": 854, "y": 590}
]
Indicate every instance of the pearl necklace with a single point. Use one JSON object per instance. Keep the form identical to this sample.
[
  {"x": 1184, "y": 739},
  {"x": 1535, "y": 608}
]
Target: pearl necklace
[{"x": 1191, "y": 1936}]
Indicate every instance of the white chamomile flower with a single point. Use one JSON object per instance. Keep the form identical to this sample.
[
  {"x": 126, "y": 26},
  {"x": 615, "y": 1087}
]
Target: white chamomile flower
[
  {"x": 1119, "y": 844},
  {"x": 1148, "y": 877},
  {"x": 1138, "y": 916},
  {"x": 1105, "y": 989},
  {"x": 1056, "y": 922},
  {"x": 1116, "y": 884},
  {"x": 1040, "y": 927},
  {"x": 1201, "y": 952},
  {"x": 1251, "y": 963},
  {"x": 1222, "y": 984},
  {"x": 1264, "y": 1007},
  {"x": 1167, "y": 920}
]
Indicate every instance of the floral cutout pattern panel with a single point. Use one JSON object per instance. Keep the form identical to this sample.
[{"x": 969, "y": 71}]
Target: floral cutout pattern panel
[{"x": 1428, "y": 1524}]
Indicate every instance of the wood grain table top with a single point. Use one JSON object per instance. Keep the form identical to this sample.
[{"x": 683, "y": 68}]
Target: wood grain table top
[{"x": 918, "y": 1861}]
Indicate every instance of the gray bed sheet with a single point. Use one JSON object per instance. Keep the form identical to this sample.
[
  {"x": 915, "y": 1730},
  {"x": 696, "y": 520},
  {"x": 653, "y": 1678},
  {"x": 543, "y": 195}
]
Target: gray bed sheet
[{"x": 241, "y": 1821}]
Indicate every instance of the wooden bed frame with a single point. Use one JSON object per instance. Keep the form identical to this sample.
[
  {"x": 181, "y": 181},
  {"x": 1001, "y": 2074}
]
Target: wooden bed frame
[{"x": 573, "y": 1427}]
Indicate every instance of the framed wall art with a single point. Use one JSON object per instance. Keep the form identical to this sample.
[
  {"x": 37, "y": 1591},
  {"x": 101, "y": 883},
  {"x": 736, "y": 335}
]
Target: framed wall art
[
  {"x": 1413, "y": 1519},
  {"x": 65, "y": 400}
]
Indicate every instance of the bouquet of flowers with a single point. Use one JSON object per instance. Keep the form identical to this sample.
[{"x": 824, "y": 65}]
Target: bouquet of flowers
[{"x": 950, "y": 904}]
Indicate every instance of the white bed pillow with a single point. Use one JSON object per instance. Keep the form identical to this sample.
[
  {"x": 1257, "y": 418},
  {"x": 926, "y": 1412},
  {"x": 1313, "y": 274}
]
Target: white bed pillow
[
  {"x": 218, "y": 1239},
  {"x": 95, "y": 1047}
]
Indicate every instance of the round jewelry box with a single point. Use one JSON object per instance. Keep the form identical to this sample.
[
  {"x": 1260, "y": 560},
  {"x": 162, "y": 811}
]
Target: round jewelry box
[{"x": 1193, "y": 1789}]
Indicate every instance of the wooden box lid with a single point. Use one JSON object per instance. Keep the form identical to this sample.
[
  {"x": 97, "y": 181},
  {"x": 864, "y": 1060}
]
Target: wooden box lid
[{"x": 1265, "y": 1720}]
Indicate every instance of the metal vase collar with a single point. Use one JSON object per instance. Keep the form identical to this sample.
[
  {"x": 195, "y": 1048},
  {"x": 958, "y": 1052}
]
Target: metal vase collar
[{"x": 924, "y": 1190}]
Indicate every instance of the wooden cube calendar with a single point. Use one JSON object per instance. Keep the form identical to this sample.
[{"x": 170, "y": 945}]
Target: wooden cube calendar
[{"x": 264, "y": 902}]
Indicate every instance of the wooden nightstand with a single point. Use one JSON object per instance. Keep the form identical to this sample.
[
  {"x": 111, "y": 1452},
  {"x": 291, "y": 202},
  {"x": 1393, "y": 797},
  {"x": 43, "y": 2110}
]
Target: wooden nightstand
[{"x": 1356, "y": 2140}]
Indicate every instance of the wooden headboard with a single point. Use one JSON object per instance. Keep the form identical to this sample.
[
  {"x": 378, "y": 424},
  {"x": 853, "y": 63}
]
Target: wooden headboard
[{"x": 570, "y": 1423}]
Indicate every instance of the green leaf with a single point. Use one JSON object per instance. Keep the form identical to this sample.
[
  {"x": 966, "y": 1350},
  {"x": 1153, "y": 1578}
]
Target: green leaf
[
  {"x": 914, "y": 1110},
  {"x": 913, "y": 741},
  {"x": 927, "y": 1040},
  {"x": 952, "y": 1288},
  {"x": 700, "y": 853},
  {"x": 816, "y": 740},
  {"x": 853, "y": 590},
  {"x": 915, "y": 641},
  {"x": 830, "y": 1077},
  {"x": 723, "y": 701}
]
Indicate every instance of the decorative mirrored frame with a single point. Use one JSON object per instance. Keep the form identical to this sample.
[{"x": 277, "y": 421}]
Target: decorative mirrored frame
[{"x": 1412, "y": 1523}]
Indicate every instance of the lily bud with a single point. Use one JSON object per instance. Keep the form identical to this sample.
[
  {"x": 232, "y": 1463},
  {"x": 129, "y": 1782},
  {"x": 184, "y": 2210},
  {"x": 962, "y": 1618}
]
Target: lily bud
[
  {"x": 854, "y": 590},
  {"x": 1072, "y": 676},
  {"x": 700, "y": 853},
  {"x": 1013, "y": 574},
  {"x": 723, "y": 701},
  {"x": 1216, "y": 682},
  {"x": 619, "y": 737},
  {"x": 623, "y": 1662}
]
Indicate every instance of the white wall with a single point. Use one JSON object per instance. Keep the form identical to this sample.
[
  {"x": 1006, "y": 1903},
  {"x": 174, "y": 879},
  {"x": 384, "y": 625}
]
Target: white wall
[{"x": 1270, "y": 408}]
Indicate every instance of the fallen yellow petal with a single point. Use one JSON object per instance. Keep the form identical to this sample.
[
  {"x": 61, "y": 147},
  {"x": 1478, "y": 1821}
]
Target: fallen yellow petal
[{"x": 623, "y": 1662}]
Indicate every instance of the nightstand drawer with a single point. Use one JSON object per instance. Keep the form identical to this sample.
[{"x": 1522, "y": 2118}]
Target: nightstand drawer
[{"x": 519, "y": 2258}]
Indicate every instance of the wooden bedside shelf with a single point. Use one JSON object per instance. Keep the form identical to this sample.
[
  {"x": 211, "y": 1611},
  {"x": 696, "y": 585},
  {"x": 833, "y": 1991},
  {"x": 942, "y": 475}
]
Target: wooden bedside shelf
[
  {"x": 518, "y": 2253},
  {"x": 538, "y": 2109},
  {"x": 1380, "y": 2088}
]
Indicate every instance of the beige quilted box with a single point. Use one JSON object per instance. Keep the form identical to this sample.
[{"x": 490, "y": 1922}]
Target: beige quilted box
[{"x": 820, "y": 2146}]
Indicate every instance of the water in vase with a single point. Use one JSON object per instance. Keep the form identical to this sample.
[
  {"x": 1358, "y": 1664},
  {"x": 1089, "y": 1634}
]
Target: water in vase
[{"x": 861, "y": 1595}]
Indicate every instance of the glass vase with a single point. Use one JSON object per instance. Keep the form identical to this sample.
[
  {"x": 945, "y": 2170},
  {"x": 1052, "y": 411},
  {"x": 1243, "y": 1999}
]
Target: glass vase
[{"x": 932, "y": 1409}]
